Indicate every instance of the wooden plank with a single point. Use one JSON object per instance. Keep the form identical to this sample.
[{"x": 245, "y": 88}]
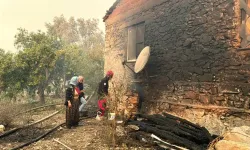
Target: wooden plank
[
  {"x": 63, "y": 144},
  {"x": 206, "y": 107}
]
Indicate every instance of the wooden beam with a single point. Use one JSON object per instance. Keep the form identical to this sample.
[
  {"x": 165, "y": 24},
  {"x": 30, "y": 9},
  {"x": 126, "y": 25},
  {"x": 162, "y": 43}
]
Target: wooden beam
[
  {"x": 43, "y": 119},
  {"x": 206, "y": 107},
  {"x": 37, "y": 108},
  {"x": 63, "y": 144}
]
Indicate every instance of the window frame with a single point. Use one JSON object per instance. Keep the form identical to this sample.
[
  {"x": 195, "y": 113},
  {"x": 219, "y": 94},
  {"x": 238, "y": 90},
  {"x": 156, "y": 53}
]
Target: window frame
[{"x": 136, "y": 26}]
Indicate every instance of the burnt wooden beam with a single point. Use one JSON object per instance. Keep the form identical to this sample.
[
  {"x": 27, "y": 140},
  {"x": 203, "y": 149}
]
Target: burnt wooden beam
[
  {"x": 199, "y": 138},
  {"x": 244, "y": 49},
  {"x": 182, "y": 120},
  {"x": 169, "y": 136},
  {"x": 190, "y": 124},
  {"x": 163, "y": 122},
  {"x": 200, "y": 135}
]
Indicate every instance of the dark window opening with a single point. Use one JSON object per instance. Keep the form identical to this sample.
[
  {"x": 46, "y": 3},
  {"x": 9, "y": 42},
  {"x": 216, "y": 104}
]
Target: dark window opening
[{"x": 135, "y": 41}]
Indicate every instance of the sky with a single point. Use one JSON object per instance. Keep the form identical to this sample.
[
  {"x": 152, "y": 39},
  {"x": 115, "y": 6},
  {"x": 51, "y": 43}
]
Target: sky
[{"x": 33, "y": 14}]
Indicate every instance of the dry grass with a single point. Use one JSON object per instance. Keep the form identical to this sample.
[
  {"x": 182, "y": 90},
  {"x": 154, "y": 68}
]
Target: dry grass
[
  {"x": 8, "y": 111},
  {"x": 107, "y": 133}
]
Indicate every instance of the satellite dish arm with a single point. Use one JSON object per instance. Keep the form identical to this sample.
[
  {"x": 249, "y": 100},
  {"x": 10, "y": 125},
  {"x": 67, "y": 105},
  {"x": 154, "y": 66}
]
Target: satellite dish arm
[{"x": 124, "y": 63}]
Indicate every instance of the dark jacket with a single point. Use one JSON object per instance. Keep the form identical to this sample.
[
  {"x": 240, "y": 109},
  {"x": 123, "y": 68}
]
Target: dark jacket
[
  {"x": 81, "y": 87},
  {"x": 103, "y": 87},
  {"x": 69, "y": 94}
]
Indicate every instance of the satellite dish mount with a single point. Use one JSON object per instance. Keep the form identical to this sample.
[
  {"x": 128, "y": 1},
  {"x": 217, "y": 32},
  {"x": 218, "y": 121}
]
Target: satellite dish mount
[{"x": 141, "y": 60}]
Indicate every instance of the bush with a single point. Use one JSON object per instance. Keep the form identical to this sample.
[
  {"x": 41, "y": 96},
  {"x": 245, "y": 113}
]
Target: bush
[{"x": 8, "y": 112}]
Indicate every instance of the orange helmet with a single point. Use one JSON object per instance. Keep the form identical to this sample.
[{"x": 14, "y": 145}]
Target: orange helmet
[{"x": 110, "y": 73}]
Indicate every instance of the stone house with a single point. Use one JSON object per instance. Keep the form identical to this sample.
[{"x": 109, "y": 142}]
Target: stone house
[{"x": 195, "y": 50}]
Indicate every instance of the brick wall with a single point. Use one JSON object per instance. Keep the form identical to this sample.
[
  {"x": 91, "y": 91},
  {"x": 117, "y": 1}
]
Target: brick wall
[{"x": 193, "y": 51}]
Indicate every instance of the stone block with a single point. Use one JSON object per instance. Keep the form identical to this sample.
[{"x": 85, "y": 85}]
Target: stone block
[
  {"x": 206, "y": 78},
  {"x": 191, "y": 95},
  {"x": 232, "y": 97},
  {"x": 230, "y": 103},
  {"x": 214, "y": 90},
  {"x": 195, "y": 70},
  {"x": 229, "y": 89},
  {"x": 133, "y": 100},
  {"x": 124, "y": 98},
  {"x": 186, "y": 101},
  {"x": 188, "y": 42},
  {"x": 163, "y": 106},
  {"x": 247, "y": 103},
  {"x": 2, "y": 128},
  {"x": 205, "y": 99},
  {"x": 198, "y": 113},
  {"x": 220, "y": 98},
  {"x": 239, "y": 104}
]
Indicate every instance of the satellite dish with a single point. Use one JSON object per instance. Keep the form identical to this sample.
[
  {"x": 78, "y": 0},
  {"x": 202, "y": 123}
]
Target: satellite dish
[{"x": 142, "y": 59}]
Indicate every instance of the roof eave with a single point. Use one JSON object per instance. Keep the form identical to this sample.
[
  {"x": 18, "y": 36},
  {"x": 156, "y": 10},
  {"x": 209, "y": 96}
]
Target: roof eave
[{"x": 111, "y": 9}]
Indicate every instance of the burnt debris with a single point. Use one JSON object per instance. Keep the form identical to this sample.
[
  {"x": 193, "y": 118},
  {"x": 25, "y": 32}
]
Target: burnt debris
[{"x": 174, "y": 130}]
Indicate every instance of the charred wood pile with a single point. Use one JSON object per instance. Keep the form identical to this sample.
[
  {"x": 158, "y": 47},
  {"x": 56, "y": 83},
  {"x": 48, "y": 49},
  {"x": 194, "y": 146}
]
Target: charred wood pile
[{"x": 174, "y": 130}]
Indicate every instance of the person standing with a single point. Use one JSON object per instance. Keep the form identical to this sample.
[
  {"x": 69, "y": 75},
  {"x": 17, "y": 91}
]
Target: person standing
[
  {"x": 72, "y": 102},
  {"x": 81, "y": 96},
  {"x": 103, "y": 92}
]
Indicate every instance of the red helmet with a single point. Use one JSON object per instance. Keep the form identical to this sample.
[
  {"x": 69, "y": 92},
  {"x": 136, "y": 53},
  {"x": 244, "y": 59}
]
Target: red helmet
[{"x": 110, "y": 73}]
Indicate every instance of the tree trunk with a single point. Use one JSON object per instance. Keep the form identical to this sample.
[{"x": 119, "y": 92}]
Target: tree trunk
[
  {"x": 57, "y": 93},
  {"x": 41, "y": 94}
]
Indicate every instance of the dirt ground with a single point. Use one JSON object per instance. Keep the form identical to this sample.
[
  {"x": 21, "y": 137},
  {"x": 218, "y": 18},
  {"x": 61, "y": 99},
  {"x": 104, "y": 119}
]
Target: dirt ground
[
  {"x": 91, "y": 134},
  {"x": 85, "y": 136}
]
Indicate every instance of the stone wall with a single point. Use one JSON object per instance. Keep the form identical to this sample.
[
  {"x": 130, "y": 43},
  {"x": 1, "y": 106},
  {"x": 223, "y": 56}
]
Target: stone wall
[{"x": 193, "y": 51}]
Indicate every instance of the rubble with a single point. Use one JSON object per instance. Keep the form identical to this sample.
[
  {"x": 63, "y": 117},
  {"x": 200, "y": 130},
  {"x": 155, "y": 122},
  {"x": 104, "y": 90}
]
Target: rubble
[
  {"x": 2, "y": 128},
  {"x": 237, "y": 138}
]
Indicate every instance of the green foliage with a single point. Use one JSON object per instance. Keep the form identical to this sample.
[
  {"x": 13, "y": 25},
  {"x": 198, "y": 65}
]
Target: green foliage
[
  {"x": 47, "y": 60},
  {"x": 10, "y": 74},
  {"x": 82, "y": 50},
  {"x": 37, "y": 57}
]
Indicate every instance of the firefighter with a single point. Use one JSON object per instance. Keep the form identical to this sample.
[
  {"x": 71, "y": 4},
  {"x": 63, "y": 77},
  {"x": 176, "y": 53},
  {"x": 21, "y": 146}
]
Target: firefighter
[{"x": 103, "y": 92}]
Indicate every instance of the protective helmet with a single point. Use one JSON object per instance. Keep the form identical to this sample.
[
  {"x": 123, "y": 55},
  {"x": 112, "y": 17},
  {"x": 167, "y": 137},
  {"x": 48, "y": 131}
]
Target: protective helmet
[{"x": 110, "y": 73}]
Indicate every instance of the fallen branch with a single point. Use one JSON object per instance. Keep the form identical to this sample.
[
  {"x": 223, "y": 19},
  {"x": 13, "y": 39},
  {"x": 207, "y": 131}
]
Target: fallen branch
[
  {"x": 37, "y": 108},
  {"x": 62, "y": 144},
  {"x": 25, "y": 126},
  {"x": 9, "y": 132},
  {"x": 43, "y": 119},
  {"x": 208, "y": 107}
]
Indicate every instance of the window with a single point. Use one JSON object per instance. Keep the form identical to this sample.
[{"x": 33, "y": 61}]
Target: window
[
  {"x": 135, "y": 41},
  {"x": 245, "y": 23},
  {"x": 243, "y": 14}
]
